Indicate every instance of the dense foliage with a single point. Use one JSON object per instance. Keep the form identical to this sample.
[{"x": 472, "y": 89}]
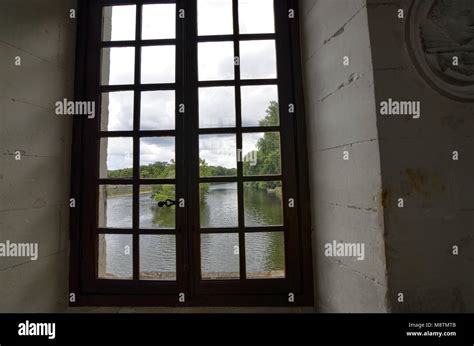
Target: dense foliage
[{"x": 268, "y": 152}]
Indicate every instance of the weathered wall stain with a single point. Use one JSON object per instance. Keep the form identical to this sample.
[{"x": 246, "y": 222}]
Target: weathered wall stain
[{"x": 422, "y": 182}]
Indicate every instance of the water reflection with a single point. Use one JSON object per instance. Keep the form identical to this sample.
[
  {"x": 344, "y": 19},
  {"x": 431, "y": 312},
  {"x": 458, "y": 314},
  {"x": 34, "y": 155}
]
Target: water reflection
[
  {"x": 218, "y": 205},
  {"x": 264, "y": 251}
]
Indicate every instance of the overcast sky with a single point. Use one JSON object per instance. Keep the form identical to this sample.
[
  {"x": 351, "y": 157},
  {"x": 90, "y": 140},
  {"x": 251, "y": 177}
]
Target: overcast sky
[{"x": 215, "y": 62}]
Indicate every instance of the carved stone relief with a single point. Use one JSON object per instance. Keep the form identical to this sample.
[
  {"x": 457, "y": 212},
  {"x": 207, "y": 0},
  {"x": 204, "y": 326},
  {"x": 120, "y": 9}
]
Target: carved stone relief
[{"x": 440, "y": 37}]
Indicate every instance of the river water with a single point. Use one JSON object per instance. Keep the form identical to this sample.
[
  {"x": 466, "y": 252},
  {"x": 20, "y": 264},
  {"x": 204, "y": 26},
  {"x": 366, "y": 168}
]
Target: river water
[{"x": 219, "y": 252}]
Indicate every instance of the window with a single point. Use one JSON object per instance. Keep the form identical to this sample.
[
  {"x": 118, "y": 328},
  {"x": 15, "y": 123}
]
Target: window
[{"x": 191, "y": 182}]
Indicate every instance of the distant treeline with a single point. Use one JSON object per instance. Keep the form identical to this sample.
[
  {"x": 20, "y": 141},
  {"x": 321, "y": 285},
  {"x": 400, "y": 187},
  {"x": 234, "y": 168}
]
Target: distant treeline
[{"x": 268, "y": 163}]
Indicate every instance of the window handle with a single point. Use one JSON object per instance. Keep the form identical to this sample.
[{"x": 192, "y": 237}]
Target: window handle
[{"x": 166, "y": 203}]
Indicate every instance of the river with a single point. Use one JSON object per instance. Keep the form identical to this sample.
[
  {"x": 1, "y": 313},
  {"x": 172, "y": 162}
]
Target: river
[{"x": 219, "y": 251}]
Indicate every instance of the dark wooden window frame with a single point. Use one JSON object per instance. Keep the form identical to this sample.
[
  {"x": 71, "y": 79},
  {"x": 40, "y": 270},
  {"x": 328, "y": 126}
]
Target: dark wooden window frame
[{"x": 87, "y": 289}]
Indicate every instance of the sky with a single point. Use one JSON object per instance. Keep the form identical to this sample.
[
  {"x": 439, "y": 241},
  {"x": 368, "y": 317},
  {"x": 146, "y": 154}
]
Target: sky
[{"x": 215, "y": 62}]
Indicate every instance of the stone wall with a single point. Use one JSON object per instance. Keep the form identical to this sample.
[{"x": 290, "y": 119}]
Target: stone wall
[
  {"x": 417, "y": 165},
  {"x": 346, "y": 194},
  {"x": 34, "y": 202}
]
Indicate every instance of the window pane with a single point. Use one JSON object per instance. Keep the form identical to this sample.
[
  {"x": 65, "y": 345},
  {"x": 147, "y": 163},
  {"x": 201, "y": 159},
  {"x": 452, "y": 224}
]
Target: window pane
[
  {"x": 215, "y": 17},
  {"x": 256, "y": 17},
  {"x": 260, "y": 105},
  {"x": 216, "y": 107},
  {"x": 152, "y": 215},
  {"x": 118, "y": 23},
  {"x": 117, "y": 111},
  {"x": 157, "y": 157},
  {"x": 261, "y": 153},
  {"x": 159, "y": 21},
  {"x": 115, "y": 256},
  {"x": 157, "y": 257},
  {"x": 158, "y": 64},
  {"x": 217, "y": 155},
  {"x": 115, "y": 206},
  {"x": 219, "y": 260},
  {"x": 157, "y": 110},
  {"x": 258, "y": 59},
  {"x": 263, "y": 204},
  {"x": 265, "y": 255},
  {"x": 117, "y": 65},
  {"x": 116, "y": 157},
  {"x": 216, "y": 61},
  {"x": 218, "y": 205}
]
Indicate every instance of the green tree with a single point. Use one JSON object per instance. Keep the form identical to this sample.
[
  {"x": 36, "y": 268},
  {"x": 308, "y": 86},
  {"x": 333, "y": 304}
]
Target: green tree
[
  {"x": 163, "y": 192},
  {"x": 268, "y": 151}
]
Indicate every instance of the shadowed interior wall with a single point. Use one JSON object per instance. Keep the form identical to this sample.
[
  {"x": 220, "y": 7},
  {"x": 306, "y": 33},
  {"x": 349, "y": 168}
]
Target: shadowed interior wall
[
  {"x": 417, "y": 165},
  {"x": 346, "y": 194},
  {"x": 35, "y": 190}
]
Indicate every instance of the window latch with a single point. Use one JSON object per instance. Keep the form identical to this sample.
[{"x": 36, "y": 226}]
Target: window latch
[{"x": 166, "y": 203}]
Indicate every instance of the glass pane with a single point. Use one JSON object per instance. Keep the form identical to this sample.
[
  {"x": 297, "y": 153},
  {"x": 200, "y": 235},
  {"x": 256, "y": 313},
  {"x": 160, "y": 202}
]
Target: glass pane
[
  {"x": 158, "y": 257},
  {"x": 260, "y": 105},
  {"x": 157, "y": 157},
  {"x": 116, "y": 157},
  {"x": 215, "y": 17},
  {"x": 117, "y": 65},
  {"x": 115, "y": 256},
  {"x": 265, "y": 255},
  {"x": 217, "y": 155},
  {"x": 118, "y": 23},
  {"x": 216, "y": 107},
  {"x": 157, "y": 110},
  {"x": 263, "y": 204},
  {"x": 159, "y": 21},
  {"x": 216, "y": 61},
  {"x": 158, "y": 64},
  {"x": 117, "y": 111},
  {"x": 115, "y": 206},
  {"x": 218, "y": 205},
  {"x": 261, "y": 154},
  {"x": 256, "y": 17},
  {"x": 153, "y": 215},
  {"x": 219, "y": 260},
  {"x": 258, "y": 59}
]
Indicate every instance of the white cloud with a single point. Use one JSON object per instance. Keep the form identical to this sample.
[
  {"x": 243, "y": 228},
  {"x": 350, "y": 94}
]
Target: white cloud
[
  {"x": 255, "y": 101},
  {"x": 217, "y": 107},
  {"x": 159, "y": 21},
  {"x": 122, "y": 24},
  {"x": 218, "y": 150},
  {"x": 157, "y": 110},
  {"x": 158, "y": 64},
  {"x": 215, "y": 17},
  {"x": 256, "y": 17},
  {"x": 258, "y": 59},
  {"x": 156, "y": 149},
  {"x": 121, "y": 65},
  {"x": 119, "y": 152},
  {"x": 118, "y": 106},
  {"x": 216, "y": 62}
]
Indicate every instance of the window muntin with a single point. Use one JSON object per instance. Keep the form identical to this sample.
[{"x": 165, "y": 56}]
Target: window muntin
[
  {"x": 139, "y": 100},
  {"x": 249, "y": 84}
]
